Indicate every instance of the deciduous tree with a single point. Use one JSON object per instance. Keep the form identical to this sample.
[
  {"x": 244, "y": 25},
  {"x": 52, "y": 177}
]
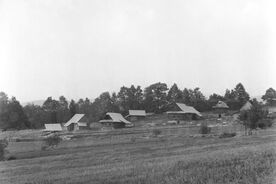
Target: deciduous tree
[
  {"x": 155, "y": 97},
  {"x": 130, "y": 98},
  {"x": 270, "y": 96}
]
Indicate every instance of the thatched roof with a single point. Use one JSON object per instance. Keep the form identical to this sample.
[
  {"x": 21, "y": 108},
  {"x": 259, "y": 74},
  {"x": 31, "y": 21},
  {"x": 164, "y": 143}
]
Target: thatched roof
[
  {"x": 75, "y": 119},
  {"x": 53, "y": 127},
  {"x": 247, "y": 106},
  {"x": 221, "y": 105}
]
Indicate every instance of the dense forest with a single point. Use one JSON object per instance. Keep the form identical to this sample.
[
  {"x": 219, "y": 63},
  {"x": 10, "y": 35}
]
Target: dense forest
[{"x": 156, "y": 98}]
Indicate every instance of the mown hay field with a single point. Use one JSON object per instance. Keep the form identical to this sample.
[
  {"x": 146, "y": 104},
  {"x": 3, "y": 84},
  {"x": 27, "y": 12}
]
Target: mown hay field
[{"x": 137, "y": 156}]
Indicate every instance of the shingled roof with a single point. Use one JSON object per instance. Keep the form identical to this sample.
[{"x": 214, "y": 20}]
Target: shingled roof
[
  {"x": 116, "y": 117},
  {"x": 188, "y": 109},
  {"x": 75, "y": 119},
  {"x": 185, "y": 109}
]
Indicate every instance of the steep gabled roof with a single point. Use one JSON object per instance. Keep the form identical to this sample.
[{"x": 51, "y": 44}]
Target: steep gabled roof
[
  {"x": 247, "y": 106},
  {"x": 53, "y": 127},
  {"x": 75, "y": 119},
  {"x": 186, "y": 109},
  {"x": 116, "y": 117},
  {"x": 136, "y": 113},
  {"x": 221, "y": 105}
]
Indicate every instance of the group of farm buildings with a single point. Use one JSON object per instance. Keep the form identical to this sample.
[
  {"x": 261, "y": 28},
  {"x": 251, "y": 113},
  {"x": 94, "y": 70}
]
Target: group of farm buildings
[{"x": 179, "y": 112}]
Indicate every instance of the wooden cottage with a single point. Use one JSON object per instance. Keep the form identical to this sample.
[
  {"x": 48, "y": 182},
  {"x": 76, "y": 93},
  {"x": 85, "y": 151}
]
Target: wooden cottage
[
  {"x": 183, "y": 112},
  {"x": 134, "y": 115},
  {"x": 115, "y": 120},
  {"x": 221, "y": 107},
  {"x": 77, "y": 122}
]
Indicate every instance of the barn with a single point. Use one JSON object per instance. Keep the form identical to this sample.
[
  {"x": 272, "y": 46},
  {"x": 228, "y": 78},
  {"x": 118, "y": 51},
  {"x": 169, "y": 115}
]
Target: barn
[
  {"x": 53, "y": 127},
  {"x": 115, "y": 120},
  {"x": 77, "y": 122},
  {"x": 183, "y": 112},
  {"x": 134, "y": 115}
]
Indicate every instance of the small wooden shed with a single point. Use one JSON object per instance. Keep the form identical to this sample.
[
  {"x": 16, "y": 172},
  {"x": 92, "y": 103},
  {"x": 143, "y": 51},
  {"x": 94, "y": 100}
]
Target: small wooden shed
[
  {"x": 115, "y": 120},
  {"x": 134, "y": 115}
]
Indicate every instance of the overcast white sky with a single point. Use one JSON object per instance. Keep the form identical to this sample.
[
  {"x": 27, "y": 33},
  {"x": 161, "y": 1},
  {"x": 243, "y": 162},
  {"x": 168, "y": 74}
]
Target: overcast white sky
[{"x": 81, "y": 48}]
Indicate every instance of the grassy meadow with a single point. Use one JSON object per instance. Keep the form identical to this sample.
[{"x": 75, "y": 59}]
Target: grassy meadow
[{"x": 178, "y": 155}]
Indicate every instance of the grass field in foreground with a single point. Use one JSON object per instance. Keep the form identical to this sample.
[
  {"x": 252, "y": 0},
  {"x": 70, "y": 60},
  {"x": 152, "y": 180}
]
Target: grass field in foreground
[{"x": 170, "y": 158}]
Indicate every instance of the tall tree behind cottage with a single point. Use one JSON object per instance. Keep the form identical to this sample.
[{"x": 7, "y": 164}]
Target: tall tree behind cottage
[
  {"x": 73, "y": 108},
  {"x": 130, "y": 98},
  {"x": 174, "y": 94},
  {"x": 270, "y": 96},
  {"x": 105, "y": 103},
  {"x": 155, "y": 97},
  {"x": 63, "y": 114},
  {"x": 236, "y": 97},
  {"x": 241, "y": 94},
  {"x": 51, "y": 106}
]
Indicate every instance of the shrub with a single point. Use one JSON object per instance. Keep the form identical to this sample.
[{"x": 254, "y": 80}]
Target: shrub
[
  {"x": 252, "y": 117},
  {"x": 265, "y": 123},
  {"x": 11, "y": 158},
  {"x": 204, "y": 129},
  {"x": 226, "y": 135},
  {"x": 51, "y": 141},
  {"x": 44, "y": 147},
  {"x": 156, "y": 132},
  {"x": 3, "y": 144}
]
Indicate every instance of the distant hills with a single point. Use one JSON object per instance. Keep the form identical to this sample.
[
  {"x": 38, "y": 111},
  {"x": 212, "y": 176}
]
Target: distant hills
[{"x": 35, "y": 102}]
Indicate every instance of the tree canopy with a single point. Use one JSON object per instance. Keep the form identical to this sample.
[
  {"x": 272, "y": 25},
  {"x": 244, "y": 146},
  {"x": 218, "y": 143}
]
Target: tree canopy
[
  {"x": 156, "y": 98},
  {"x": 270, "y": 96},
  {"x": 12, "y": 114}
]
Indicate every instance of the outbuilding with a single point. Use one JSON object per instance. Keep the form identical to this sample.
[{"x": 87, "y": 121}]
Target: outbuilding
[
  {"x": 77, "y": 122},
  {"x": 115, "y": 120},
  {"x": 134, "y": 115},
  {"x": 183, "y": 112}
]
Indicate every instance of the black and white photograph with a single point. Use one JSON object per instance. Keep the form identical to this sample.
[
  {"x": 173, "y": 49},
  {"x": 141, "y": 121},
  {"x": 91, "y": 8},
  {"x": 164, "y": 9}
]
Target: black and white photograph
[{"x": 137, "y": 92}]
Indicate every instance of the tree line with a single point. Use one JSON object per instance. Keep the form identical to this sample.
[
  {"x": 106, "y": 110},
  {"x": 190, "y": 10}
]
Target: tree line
[{"x": 156, "y": 98}]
